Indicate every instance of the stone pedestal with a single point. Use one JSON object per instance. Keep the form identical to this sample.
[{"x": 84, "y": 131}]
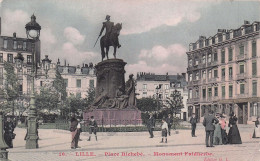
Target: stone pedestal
[
  {"x": 110, "y": 75},
  {"x": 115, "y": 116}
]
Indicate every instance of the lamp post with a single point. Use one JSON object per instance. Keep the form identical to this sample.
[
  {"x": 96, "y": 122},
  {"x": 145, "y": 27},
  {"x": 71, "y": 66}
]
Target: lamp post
[{"x": 33, "y": 32}]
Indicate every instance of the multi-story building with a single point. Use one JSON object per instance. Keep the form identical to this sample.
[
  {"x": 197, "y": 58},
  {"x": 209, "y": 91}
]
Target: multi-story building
[
  {"x": 162, "y": 86},
  {"x": 78, "y": 79},
  {"x": 222, "y": 73}
]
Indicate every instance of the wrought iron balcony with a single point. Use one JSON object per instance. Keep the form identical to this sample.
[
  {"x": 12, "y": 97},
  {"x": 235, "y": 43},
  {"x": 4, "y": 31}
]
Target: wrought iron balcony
[
  {"x": 241, "y": 76},
  {"x": 241, "y": 57}
]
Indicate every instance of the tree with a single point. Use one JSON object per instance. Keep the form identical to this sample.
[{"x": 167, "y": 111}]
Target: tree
[
  {"x": 10, "y": 89},
  {"x": 76, "y": 103},
  {"x": 175, "y": 103},
  {"x": 47, "y": 99},
  {"x": 90, "y": 97},
  {"x": 148, "y": 104}
]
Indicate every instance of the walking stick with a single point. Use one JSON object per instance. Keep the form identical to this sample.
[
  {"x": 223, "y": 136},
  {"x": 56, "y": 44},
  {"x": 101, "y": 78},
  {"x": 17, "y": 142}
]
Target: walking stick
[{"x": 96, "y": 41}]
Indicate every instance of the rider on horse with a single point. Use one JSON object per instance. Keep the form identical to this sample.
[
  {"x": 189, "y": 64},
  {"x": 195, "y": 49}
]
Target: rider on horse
[{"x": 108, "y": 26}]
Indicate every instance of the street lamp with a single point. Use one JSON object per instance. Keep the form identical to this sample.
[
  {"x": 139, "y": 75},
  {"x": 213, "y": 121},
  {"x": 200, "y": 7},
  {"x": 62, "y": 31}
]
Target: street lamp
[{"x": 33, "y": 32}]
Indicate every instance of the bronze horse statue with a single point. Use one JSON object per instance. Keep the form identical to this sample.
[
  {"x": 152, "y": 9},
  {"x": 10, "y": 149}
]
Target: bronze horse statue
[{"x": 110, "y": 40}]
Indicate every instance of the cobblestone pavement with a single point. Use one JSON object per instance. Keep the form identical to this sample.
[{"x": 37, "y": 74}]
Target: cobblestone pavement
[{"x": 54, "y": 145}]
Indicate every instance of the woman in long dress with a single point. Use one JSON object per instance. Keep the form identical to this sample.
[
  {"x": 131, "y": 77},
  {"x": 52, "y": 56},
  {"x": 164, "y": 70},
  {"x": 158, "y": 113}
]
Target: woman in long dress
[
  {"x": 257, "y": 128},
  {"x": 222, "y": 123},
  {"x": 233, "y": 134}
]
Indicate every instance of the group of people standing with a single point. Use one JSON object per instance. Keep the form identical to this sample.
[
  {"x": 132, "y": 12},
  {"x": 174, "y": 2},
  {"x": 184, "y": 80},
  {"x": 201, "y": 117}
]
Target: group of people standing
[
  {"x": 9, "y": 134},
  {"x": 75, "y": 128},
  {"x": 215, "y": 128},
  {"x": 167, "y": 124}
]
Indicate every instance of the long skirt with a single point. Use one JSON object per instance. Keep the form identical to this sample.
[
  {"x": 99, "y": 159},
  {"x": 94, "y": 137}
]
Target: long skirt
[
  {"x": 164, "y": 133},
  {"x": 234, "y": 135},
  {"x": 256, "y": 132},
  {"x": 75, "y": 138}
]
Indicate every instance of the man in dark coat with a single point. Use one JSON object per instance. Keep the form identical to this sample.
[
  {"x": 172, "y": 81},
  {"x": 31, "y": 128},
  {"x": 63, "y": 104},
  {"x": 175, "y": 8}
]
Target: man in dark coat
[
  {"x": 193, "y": 121},
  {"x": 9, "y": 135},
  {"x": 169, "y": 121},
  {"x": 151, "y": 125},
  {"x": 208, "y": 122},
  {"x": 74, "y": 132}
]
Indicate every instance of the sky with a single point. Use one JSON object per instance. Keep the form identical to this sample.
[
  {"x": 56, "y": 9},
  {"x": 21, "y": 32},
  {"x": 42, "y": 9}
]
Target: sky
[{"x": 155, "y": 34}]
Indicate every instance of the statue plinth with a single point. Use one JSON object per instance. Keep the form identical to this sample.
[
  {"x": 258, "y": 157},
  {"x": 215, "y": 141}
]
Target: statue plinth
[{"x": 114, "y": 99}]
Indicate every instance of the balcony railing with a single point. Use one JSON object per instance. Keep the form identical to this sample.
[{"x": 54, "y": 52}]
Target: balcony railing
[
  {"x": 214, "y": 63},
  {"x": 241, "y": 57},
  {"x": 245, "y": 95},
  {"x": 212, "y": 80},
  {"x": 195, "y": 82},
  {"x": 215, "y": 98},
  {"x": 241, "y": 76},
  {"x": 192, "y": 100}
]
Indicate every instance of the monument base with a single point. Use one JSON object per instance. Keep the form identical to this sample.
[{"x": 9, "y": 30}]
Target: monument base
[{"x": 115, "y": 116}]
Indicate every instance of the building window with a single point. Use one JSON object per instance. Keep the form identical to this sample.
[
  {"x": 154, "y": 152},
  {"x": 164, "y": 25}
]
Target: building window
[
  {"x": 230, "y": 72},
  {"x": 254, "y": 88},
  {"x": 78, "y": 95},
  {"x": 29, "y": 70},
  {"x": 230, "y": 89},
  {"x": 10, "y": 58},
  {"x": 241, "y": 50},
  {"x": 66, "y": 82},
  {"x": 197, "y": 76},
  {"x": 215, "y": 56},
  {"x": 190, "y": 62},
  {"x": 1, "y": 58},
  {"x": 242, "y": 88},
  {"x": 15, "y": 45},
  {"x": 204, "y": 74},
  {"x": 144, "y": 86},
  {"x": 254, "y": 49},
  {"x": 5, "y": 44},
  {"x": 223, "y": 73},
  {"x": 204, "y": 93},
  {"x": 190, "y": 93},
  {"x": 78, "y": 83},
  {"x": 242, "y": 68},
  {"x": 24, "y": 45},
  {"x": 230, "y": 54},
  {"x": 209, "y": 74},
  {"x": 223, "y": 92},
  {"x": 41, "y": 83},
  {"x": 215, "y": 73},
  {"x": 203, "y": 59},
  {"x": 223, "y": 56},
  {"x": 197, "y": 93},
  {"x": 196, "y": 62},
  {"x": 91, "y": 83},
  {"x": 29, "y": 59},
  {"x": 209, "y": 92},
  {"x": 254, "y": 69},
  {"x": 215, "y": 91},
  {"x": 190, "y": 77},
  {"x": 209, "y": 58},
  {"x": 166, "y": 86},
  {"x": 144, "y": 94}
]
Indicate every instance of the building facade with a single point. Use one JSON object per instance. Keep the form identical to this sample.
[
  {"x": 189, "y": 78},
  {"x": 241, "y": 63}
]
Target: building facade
[
  {"x": 223, "y": 75},
  {"x": 162, "y": 86}
]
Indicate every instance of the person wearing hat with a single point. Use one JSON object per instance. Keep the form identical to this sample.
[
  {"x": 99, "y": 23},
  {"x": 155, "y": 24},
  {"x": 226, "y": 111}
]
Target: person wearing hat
[
  {"x": 151, "y": 125},
  {"x": 9, "y": 134},
  {"x": 233, "y": 133},
  {"x": 193, "y": 121},
  {"x": 164, "y": 130},
  {"x": 256, "y": 133},
  {"x": 74, "y": 132},
  {"x": 92, "y": 127},
  {"x": 169, "y": 121},
  {"x": 208, "y": 122}
]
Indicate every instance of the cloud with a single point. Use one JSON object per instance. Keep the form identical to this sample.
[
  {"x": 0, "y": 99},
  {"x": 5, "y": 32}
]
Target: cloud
[
  {"x": 12, "y": 22},
  {"x": 160, "y": 53},
  {"x": 138, "y": 16},
  {"x": 47, "y": 36},
  {"x": 75, "y": 56},
  {"x": 73, "y": 35}
]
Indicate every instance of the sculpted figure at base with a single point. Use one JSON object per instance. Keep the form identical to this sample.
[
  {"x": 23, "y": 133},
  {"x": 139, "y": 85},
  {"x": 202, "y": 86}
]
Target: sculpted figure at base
[
  {"x": 130, "y": 91},
  {"x": 121, "y": 99},
  {"x": 101, "y": 99}
]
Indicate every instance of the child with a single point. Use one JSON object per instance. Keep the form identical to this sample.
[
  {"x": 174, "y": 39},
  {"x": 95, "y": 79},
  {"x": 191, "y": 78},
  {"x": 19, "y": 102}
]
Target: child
[
  {"x": 92, "y": 127},
  {"x": 164, "y": 130}
]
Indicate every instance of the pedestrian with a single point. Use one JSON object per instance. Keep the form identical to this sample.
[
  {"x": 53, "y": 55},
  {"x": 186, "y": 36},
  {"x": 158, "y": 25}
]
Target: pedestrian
[
  {"x": 9, "y": 134},
  {"x": 233, "y": 133},
  {"x": 169, "y": 121},
  {"x": 92, "y": 127},
  {"x": 222, "y": 122},
  {"x": 193, "y": 121},
  {"x": 79, "y": 128},
  {"x": 164, "y": 130},
  {"x": 217, "y": 137},
  {"x": 151, "y": 125},
  {"x": 257, "y": 128},
  {"x": 74, "y": 132},
  {"x": 209, "y": 127}
]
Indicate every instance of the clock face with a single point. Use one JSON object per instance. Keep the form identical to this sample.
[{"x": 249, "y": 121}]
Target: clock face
[{"x": 33, "y": 33}]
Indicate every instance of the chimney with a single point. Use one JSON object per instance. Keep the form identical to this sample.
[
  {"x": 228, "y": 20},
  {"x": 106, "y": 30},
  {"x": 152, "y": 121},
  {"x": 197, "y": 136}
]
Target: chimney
[
  {"x": 14, "y": 34},
  {"x": 184, "y": 75},
  {"x": 246, "y": 22}
]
